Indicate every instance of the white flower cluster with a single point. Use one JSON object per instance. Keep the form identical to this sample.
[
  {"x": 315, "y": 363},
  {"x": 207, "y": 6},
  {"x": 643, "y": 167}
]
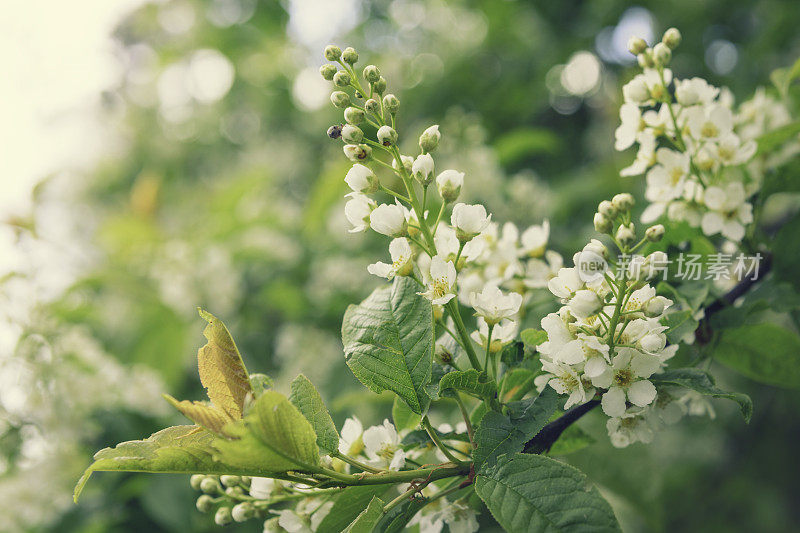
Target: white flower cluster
[{"x": 694, "y": 147}]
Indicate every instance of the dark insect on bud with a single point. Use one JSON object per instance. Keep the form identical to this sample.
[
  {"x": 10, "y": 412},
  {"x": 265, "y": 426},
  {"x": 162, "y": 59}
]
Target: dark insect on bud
[
  {"x": 335, "y": 131},
  {"x": 358, "y": 94}
]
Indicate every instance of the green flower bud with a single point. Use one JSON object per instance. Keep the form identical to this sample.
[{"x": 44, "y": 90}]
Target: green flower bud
[
  {"x": 354, "y": 115},
  {"x": 654, "y": 233},
  {"x": 204, "y": 503},
  {"x": 607, "y": 209},
  {"x": 242, "y": 512},
  {"x": 602, "y": 224},
  {"x": 210, "y": 485},
  {"x": 223, "y": 516},
  {"x": 429, "y": 139},
  {"x": 626, "y": 234},
  {"x": 636, "y": 45},
  {"x": 195, "y": 481},
  {"x": 391, "y": 103},
  {"x": 332, "y": 52},
  {"x": 327, "y": 70},
  {"x": 230, "y": 481},
  {"x": 645, "y": 59},
  {"x": 341, "y": 78},
  {"x": 335, "y": 131},
  {"x": 352, "y": 134},
  {"x": 662, "y": 54},
  {"x": 442, "y": 355},
  {"x": 349, "y": 55},
  {"x": 372, "y": 106},
  {"x": 387, "y": 136},
  {"x": 380, "y": 85},
  {"x": 672, "y": 38},
  {"x": 371, "y": 73},
  {"x": 357, "y": 152},
  {"x": 234, "y": 492},
  {"x": 622, "y": 201},
  {"x": 340, "y": 99}
]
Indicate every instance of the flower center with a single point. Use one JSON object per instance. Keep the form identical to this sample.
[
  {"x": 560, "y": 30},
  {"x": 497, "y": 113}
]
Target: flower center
[
  {"x": 387, "y": 451},
  {"x": 623, "y": 378},
  {"x": 675, "y": 175},
  {"x": 440, "y": 287},
  {"x": 709, "y": 129}
]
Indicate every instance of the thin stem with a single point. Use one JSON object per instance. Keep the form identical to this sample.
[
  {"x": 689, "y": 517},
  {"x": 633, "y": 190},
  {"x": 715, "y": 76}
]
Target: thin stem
[
  {"x": 400, "y": 499},
  {"x": 404, "y": 476},
  {"x": 354, "y": 462},
  {"x": 439, "y": 217},
  {"x": 466, "y": 341},
  {"x": 465, "y": 414},
  {"x": 426, "y": 423},
  {"x": 395, "y": 194},
  {"x": 488, "y": 348}
]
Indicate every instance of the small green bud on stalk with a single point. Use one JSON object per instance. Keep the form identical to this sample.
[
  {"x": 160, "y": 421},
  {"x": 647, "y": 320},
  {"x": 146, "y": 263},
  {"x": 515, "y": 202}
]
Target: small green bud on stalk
[
  {"x": 332, "y": 52},
  {"x": 357, "y": 152},
  {"x": 645, "y": 59},
  {"x": 387, "y": 136},
  {"x": 335, "y": 131},
  {"x": 242, "y": 512},
  {"x": 626, "y": 234},
  {"x": 636, "y": 45},
  {"x": 204, "y": 503},
  {"x": 210, "y": 486},
  {"x": 622, "y": 202},
  {"x": 429, "y": 139},
  {"x": 230, "y": 481},
  {"x": 234, "y": 492},
  {"x": 341, "y": 78},
  {"x": 672, "y": 38},
  {"x": 354, "y": 115},
  {"x": 602, "y": 224},
  {"x": 350, "y": 56},
  {"x": 340, "y": 99},
  {"x": 371, "y": 73},
  {"x": 352, "y": 134},
  {"x": 654, "y": 233},
  {"x": 372, "y": 106},
  {"x": 443, "y": 355},
  {"x": 327, "y": 71},
  {"x": 391, "y": 103},
  {"x": 607, "y": 209},
  {"x": 408, "y": 163},
  {"x": 223, "y": 516},
  {"x": 196, "y": 480},
  {"x": 662, "y": 54},
  {"x": 380, "y": 85}
]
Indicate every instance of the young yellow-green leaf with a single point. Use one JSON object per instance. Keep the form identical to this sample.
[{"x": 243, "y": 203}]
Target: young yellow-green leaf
[
  {"x": 201, "y": 413},
  {"x": 348, "y": 506},
  {"x": 388, "y": 342},
  {"x": 403, "y": 416},
  {"x": 766, "y": 352},
  {"x": 470, "y": 381},
  {"x": 531, "y": 493},
  {"x": 221, "y": 368},
  {"x": 369, "y": 517},
  {"x": 274, "y": 436},
  {"x": 702, "y": 382},
  {"x": 306, "y": 398},
  {"x": 516, "y": 384},
  {"x": 533, "y": 337},
  {"x": 178, "y": 449}
]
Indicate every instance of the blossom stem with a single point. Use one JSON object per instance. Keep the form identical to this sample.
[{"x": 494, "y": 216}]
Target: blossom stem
[
  {"x": 439, "y": 217},
  {"x": 403, "y": 476},
  {"x": 354, "y": 462},
  {"x": 403, "y": 497},
  {"x": 395, "y": 194},
  {"x": 486, "y": 367},
  {"x": 465, "y": 414},
  {"x": 426, "y": 423},
  {"x": 466, "y": 342}
]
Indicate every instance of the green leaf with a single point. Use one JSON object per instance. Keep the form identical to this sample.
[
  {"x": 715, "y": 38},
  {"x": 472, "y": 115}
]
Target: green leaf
[
  {"x": 388, "y": 342},
  {"x": 306, "y": 398},
  {"x": 765, "y": 352},
  {"x": 398, "y": 517},
  {"x": 273, "y": 436},
  {"x": 516, "y": 383},
  {"x": 785, "y": 246},
  {"x": 349, "y": 504},
  {"x": 570, "y": 441},
  {"x": 533, "y": 337},
  {"x": 679, "y": 323},
  {"x": 498, "y": 434},
  {"x": 369, "y": 517},
  {"x": 703, "y": 382},
  {"x": 403, "y": 416},
  {"x": 470, "y": 381},
  {"x": 532, "y": 493},
  {"x": 178, "y": 449},
  {"x": 772, "y": 140}
]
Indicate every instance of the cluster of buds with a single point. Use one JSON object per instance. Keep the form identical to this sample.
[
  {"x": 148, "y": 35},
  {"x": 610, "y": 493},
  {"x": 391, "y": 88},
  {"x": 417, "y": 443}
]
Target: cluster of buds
[
  {"x": 228, "y": 495},
  {"x": 660, "y": 54}
]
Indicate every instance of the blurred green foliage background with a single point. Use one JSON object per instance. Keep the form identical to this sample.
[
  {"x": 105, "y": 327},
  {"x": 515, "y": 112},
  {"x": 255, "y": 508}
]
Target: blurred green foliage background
[{"x": 222, "y": 191}]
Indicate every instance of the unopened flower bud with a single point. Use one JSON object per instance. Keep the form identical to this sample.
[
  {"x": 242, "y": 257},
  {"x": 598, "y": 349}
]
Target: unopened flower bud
[
  {"x": 645, "y": 59},
  {"x": 357, "y": 152},
  {"x": 352, "y": 134},
  {"x": 655, "y": 306},
  {"x": 242, "y": 512},
  {"x": 607, "y": 209},
  {"x": 449, "y": 184},
  {"x": 230, "y": 481},
  {"x": 349, "y": 55},
  {"x": 372, "y": 106},
  {"x": 662, "y": 54},
  {"x": 328, "y": 71},
  {"x": 341, "y": 78},
  {"x": 672, "y": 38},
  {"x": 380, "y": 85},
  {"x": 361, "y": 179},
  {"x": 429, "y": 139},
  {"x": 442, "y": 355},
  {"x": 602, "y": 224},
  {"x": 626, "y": 234},
  {"x": 654, "y": 233},
  {"x": 332, "y": 52},
  {"x": 636, "y": 45},
  {"x": 354, "y": 115},
  {"x": 204, "y": 503},
  {"x": 387, "y": 136},
  {"x": 196, "y": 480},
  {"x": 210, "y": 485},
  {"x": 597, "y": 248},
  {"x": 391, "y": 103},
  {"x": 408, "y": 163},
  {"x": 234, "y": 492},
  {"x": 371, "y": 73},
  {"x": 422, "y": 168},
  {"x": 622, "y": 201},
  {"x": 335, "y": 131},
  {"x": 223, "y": 516},
  {"x": 340, "y": 99}
]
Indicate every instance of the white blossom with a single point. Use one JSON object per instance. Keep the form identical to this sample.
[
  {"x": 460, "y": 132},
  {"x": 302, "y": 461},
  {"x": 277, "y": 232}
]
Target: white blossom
[
  {"x": 402, "y": 263},
  {"x": 361, "y": 179},
  {"x": 382, "y": 446},
  {"x": 494, "y": 306},
  {"x": 534, "y": 239},
  {"x": 442, "y": 281},
  {"x": 728, "y": 211},
  {"x": 357, "y": 210},
  {"x": 389, "y": 219},
  {"x": 469, "y": 220},
  {"x": 626, "y": 380}
]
